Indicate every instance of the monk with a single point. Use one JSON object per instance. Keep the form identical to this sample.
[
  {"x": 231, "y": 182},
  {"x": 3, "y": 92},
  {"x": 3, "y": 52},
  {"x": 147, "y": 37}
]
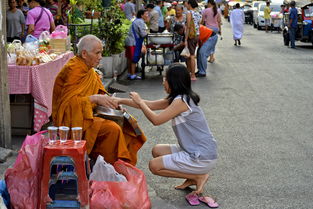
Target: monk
[{"x": 77, "y": 90}]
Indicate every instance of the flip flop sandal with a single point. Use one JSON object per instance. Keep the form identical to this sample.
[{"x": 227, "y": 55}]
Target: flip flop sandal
[
  {"x": 209, "y": 201},
  {"x": 192, "y": 199}
]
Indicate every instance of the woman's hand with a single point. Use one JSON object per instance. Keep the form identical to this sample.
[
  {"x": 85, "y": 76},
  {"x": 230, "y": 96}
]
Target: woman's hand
[{"x": 135, "y": 97}]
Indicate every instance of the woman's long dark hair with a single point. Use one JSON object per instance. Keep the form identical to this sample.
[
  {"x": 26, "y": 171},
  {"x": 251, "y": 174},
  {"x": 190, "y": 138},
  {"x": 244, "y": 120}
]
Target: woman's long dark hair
[
  {"x": 212, "y": 2},
  {"x": 178, "y": 79}
]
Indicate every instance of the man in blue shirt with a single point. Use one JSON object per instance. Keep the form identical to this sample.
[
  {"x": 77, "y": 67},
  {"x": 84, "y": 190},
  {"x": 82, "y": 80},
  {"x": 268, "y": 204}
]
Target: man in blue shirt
[
  {"x": 293, "y": 21},
  {"x": 161, "y": 18}
]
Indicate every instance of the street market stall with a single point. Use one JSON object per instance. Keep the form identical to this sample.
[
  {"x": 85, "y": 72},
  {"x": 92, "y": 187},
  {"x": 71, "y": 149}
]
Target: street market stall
[{"x": 38, "y": 81}]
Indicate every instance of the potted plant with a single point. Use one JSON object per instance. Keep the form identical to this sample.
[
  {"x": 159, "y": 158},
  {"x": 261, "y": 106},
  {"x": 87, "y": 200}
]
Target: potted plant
[
  {"x": 92, "y": 8},
  {"x": 113, "y": 29}
]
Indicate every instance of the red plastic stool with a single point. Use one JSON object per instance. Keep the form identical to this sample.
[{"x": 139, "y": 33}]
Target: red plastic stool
[{"x": 78, "y": 153}]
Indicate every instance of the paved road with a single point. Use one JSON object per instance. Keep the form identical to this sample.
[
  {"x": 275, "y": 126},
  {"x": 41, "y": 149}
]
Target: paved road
[{"x": 259, "y": 103}]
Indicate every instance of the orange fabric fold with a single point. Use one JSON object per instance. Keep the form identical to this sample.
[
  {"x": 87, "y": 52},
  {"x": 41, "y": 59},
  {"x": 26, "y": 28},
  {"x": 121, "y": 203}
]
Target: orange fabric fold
[{"x": 71, "y": 107}]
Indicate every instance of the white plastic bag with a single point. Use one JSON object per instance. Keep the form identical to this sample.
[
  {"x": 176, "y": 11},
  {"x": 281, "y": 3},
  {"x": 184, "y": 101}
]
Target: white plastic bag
[
  {"x": 185, "y": 53},
  {"x": 2, "y": 205},
  {"x": 103, "y": 171},
  {"x": 156, "y": 59}
]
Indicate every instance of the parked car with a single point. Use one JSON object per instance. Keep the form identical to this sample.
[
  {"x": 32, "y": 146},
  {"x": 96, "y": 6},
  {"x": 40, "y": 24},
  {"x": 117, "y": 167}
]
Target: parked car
[
  {"x": 260, "y": 21},
  {"x": 254, "y": 8},
  {"x": 304, "y": 31},
  {"x": 247, "y": 9}
]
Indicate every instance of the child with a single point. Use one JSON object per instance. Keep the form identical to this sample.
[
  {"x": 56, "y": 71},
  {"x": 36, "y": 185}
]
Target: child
[{"x": 196, "y": 153}]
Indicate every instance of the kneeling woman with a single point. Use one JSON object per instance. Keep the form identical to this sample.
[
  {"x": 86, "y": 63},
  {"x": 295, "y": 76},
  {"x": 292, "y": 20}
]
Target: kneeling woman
[{"x": 196, "y": 152}]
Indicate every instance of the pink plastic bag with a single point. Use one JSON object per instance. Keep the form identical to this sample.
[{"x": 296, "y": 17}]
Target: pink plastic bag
[
  {"x": 23, "y": 179},
  {"x": 60, "y": 32},
  {"x": 132, "y": 194}
]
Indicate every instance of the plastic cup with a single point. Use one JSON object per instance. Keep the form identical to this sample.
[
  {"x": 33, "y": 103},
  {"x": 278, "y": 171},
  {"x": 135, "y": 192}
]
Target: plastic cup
[
  {"x": 77, "y": 133},
  {"x": 63, "y": 133},
  {"x": 52, "y": 134}
]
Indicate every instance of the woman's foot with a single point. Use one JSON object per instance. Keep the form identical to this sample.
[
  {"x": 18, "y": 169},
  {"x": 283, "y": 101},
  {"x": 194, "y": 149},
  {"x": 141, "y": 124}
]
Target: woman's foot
[
  {"x": 235, "y": 43},
  {"x": 187, "y": 183},
  {"x": 211, "y": 60},
  {"x": 239, "y": 43},
  {"x": 200, "y": 182},
  {"x": 193, "y": 78}
]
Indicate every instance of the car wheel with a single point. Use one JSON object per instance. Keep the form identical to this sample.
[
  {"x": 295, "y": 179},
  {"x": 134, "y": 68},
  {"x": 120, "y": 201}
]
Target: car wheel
[
  {"x": 259, "y": 27},
  {"x": 254, "y": 25}
]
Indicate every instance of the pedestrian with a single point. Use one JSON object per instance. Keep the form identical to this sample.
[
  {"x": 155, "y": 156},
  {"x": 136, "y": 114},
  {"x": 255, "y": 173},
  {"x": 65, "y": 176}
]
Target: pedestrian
[
  {"x": 39, "y": 19},
  {"x": 15, "y": 22},
  {"x": 196, "y": 153},
  {"x": 207, "y": 41},
  {"x": 52, "y": 5},
  {"x": 293, "y": 23},
  {"x": 192, "y": 35},
  {"x": 154, "y": 19},
  {"x": 161, "y": 17},
  {"x": 237, "y": 20},
  {"x": 129, "y": 10},
  {"x": 22, "y": 5},
  {"x": 211, "y": 18},
  {"x": 267, "y": 16},
  {"x": 134, "y": 43},
  {"x": 179, "y": 18}
]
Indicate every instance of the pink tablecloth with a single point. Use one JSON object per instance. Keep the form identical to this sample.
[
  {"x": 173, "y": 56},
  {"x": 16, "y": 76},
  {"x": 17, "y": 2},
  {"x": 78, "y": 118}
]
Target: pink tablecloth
[{"x": 37, "y": 81}]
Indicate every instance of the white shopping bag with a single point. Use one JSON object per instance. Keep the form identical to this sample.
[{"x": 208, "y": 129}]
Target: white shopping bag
[
  {"x": 185, "y": 53},
  {"x": 103, "y": 171}
]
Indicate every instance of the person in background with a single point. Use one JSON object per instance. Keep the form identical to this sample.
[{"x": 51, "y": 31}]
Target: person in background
[
  {"x": 293, "y": 22},
  {"x": 130, "y": 10},
  {"x": 179, "y": 18},
  {"x": 211, "y": 18},
  {"x": 237, "y": 20},
  {"x": 192, "y": 35},
  {"x": 267, "y": 16},
  {"x": 164, "y": 8},
  {"x": 207, "y": 42},
  {"x": 185, "y": 3},
  {"x": 22, "y": 6},
  {"x": 39, "y": 19},
  {"x": 154, "y": 19},
  {"x": 226, "y": 10},
  {"x": 52, "y": 5},
  {"x": 161, "y": 17},
  {"x": 195, "y": 155},
  {"x": 15, "y": 22},
  {"x": 134, "y": 43},
  {"x": 170, "y": 11},
  {"x": 122, "y": 5}
]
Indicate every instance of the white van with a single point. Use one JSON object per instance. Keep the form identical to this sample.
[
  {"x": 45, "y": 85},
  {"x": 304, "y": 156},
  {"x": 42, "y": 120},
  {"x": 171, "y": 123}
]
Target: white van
[{"x": 255, "y": 5}]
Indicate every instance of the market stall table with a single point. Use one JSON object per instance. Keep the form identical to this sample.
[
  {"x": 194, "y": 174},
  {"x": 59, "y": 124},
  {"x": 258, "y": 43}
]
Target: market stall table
[{"x": 38, "y": 81}]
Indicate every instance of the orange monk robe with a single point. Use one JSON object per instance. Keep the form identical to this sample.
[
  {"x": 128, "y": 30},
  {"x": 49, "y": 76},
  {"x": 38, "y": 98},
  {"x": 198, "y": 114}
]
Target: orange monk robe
[{"x": 71, "y": 107}]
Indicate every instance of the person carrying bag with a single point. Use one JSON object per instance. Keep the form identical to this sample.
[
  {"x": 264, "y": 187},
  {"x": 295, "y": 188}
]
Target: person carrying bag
[{"x": 39, "y": 19}]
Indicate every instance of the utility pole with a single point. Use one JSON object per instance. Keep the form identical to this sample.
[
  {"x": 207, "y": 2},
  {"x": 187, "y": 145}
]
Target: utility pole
[{"x": 5, "y": 116}]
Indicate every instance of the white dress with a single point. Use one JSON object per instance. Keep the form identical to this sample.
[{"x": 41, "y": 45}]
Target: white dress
[{"x": 237, "y": 19}]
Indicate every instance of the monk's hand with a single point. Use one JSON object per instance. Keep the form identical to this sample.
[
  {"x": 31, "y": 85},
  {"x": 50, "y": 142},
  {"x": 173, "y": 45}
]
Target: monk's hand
[
  {"x": 135, "y": 97},
  {"x": 107, "y": 101}
]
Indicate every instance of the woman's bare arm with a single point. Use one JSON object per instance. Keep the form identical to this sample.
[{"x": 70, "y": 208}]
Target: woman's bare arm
[{"x": 153, "y": 105}]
